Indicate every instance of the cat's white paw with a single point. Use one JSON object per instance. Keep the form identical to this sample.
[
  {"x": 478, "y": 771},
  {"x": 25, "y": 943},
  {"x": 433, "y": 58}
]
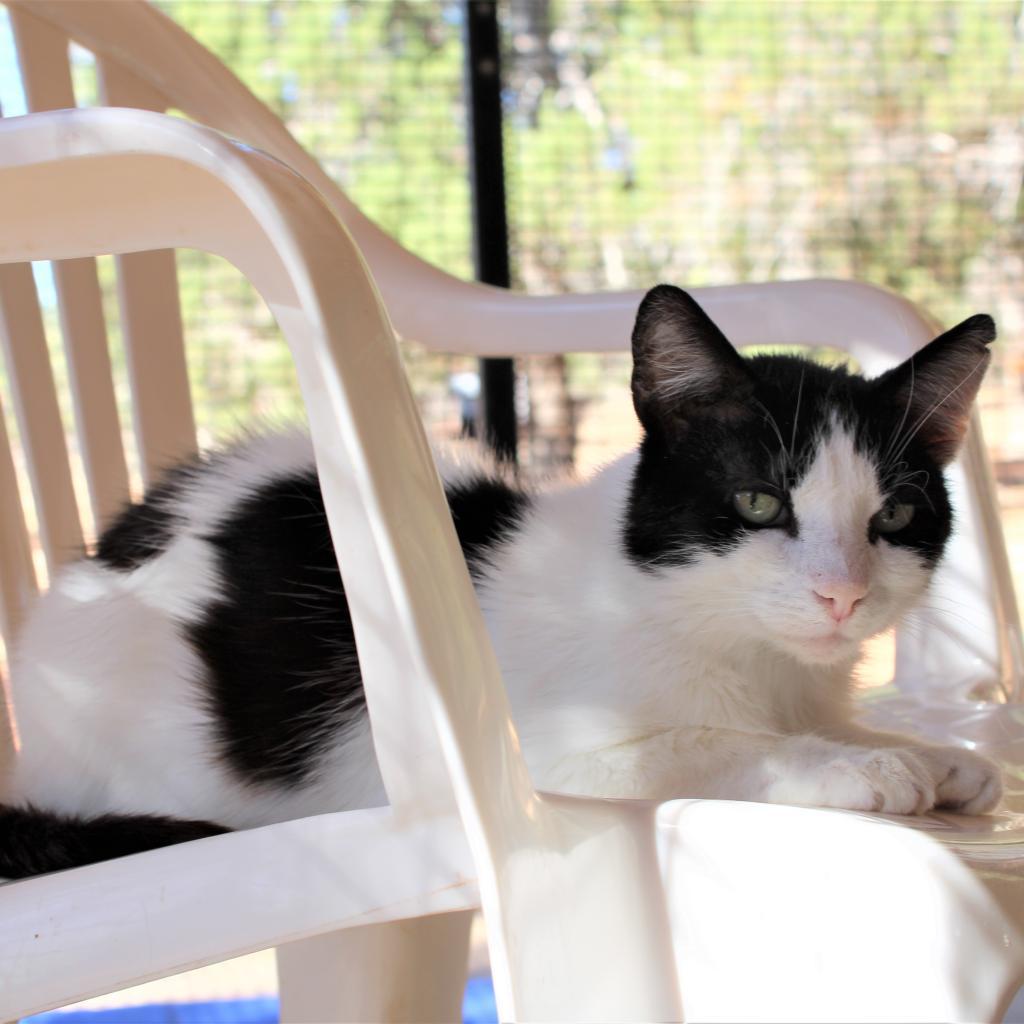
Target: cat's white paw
[
  {"x": 964, "y": 781},
  {"x": 893, "y": 781}
]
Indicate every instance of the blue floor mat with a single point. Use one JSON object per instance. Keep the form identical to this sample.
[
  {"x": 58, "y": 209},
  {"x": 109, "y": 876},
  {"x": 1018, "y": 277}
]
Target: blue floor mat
[
  {"x": 236, "y": 1011},
  {"x": 477, "y": 1008}
]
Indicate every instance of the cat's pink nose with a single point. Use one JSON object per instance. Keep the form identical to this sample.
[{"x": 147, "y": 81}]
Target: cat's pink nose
[{"x": 840, "y": 597}]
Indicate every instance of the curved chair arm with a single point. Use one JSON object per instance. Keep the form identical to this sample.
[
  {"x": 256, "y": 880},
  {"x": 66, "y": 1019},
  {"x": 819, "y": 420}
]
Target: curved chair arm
[{"x": 70, "y": 935}]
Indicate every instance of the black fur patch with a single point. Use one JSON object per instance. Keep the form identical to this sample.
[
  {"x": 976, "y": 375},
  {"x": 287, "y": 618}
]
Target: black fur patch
[
  {"x": 141, "y": 531},
  {"x": 33, "y": 842},
  {"x": 282, "y": 676},
  {"x": 484, "y": 512},
  {"x": 680, "y": 500}
]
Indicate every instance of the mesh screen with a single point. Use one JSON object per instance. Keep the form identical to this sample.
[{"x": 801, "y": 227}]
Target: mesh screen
[
  {"x": 713, "y": 142},
  {"x": 646, "y": 140}
]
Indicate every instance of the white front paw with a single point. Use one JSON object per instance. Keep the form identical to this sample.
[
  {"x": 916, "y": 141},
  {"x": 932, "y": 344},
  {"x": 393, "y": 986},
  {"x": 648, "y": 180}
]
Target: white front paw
[
  {"x": 964, "y": 781},
  {"x": 893, "y": 781}
]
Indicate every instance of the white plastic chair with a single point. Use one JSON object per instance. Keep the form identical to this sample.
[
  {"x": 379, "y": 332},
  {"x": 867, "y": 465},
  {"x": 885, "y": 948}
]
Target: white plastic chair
[{"x": 595, "y": 909}]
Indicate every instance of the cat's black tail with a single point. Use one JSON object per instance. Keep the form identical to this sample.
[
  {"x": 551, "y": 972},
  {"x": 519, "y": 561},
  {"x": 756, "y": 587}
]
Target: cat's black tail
[{"x": 33, "y": 842}]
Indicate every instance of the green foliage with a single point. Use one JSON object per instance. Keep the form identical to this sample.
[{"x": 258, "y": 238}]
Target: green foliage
[
  {"x": 710, "y": 142},
  {"x": 700, "y": 142},
  {"x": 374, "y": 91}
]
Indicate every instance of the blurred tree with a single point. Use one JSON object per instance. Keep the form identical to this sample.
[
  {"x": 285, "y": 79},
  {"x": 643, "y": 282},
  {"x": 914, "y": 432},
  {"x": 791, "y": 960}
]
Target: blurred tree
[{"x": 699, "y": 142}]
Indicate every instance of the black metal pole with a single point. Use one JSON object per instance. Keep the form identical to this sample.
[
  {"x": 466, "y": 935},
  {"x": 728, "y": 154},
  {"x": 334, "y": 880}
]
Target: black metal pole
[{"x": 490, "y": 222}]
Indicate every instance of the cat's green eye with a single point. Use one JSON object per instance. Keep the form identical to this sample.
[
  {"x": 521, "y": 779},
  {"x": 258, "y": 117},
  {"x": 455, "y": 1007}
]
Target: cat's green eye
[
  {"x": 758, "y": 507},
  {"x": 894, "y": 516}
]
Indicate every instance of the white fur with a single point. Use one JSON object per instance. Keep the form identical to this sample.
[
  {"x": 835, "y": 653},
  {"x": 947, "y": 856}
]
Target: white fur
[{"x": 726, "y": 677}]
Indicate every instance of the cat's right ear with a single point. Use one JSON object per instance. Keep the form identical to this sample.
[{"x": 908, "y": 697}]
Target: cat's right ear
[{"x": 682, "y": 363}]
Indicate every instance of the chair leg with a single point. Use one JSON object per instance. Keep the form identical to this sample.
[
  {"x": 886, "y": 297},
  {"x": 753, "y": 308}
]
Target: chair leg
[{"x": 402, "y": 971}]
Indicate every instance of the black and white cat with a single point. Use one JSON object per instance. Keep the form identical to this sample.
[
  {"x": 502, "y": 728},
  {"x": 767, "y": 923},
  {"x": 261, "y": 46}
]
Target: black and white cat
[{"x": 684, "y": 623}]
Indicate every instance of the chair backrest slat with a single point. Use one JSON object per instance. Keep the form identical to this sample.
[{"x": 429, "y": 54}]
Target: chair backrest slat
[
  {"x": 38, "y": 414},
  {"x": 147, "y": 286},
  {"x": 43, "y": 60},
  {"x": 92, "y": 386},
  {"x": 46, "y": 76},
  {"x": 147, "y": 289},
  {"x": 18, "y": 583}
]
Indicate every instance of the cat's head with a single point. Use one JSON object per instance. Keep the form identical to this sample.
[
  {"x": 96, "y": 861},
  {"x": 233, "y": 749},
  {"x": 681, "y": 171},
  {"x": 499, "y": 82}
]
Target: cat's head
[{"x": 805, "y": 504}]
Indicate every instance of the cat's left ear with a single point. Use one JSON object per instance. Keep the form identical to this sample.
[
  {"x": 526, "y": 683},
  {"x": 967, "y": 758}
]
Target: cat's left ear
[
  {"x": 682, "y": 363},
  {"x": 937, "y": 386}
]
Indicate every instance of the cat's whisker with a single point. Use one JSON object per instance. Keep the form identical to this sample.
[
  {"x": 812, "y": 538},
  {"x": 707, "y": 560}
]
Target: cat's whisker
[
  {"x": 906, "y": 477},
  {"x": 917, "y": 615},
  {"x": 947, "y": 613},
  {"x": 770, "y": 420},
  {"x": 319, "y": 588},
  {"x": 903, "y": 419},
  {"x": 982, "y": 361},
  {"x": 796, "y": 415},
  {"x": 924, "y": 493}
]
